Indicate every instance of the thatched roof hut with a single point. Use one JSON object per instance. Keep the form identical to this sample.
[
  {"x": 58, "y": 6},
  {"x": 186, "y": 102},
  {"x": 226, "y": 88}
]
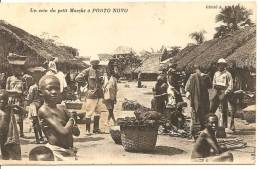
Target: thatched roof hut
[
  {"x": 239, "y": 46},
  {"x": 245, "y": 56},
  {"x": 37, "y": 50},
  {"x": 151, "y": 64},
  {"x": 150, "y": 67},
  {"x": 224, "y": 47}
]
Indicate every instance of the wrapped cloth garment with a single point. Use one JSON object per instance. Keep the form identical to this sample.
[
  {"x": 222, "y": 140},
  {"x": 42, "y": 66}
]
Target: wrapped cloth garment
[
  {"x": 12, "y": 144},
  {"x": 62, "y": 154}
]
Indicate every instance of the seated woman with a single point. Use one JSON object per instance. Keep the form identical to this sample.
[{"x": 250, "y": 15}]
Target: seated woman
[{"x": 206, "y": 142}]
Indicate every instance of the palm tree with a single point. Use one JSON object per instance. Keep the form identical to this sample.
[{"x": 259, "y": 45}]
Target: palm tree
[
  {"x": 170, "y": 53},
  {"x": 198, "y": 36},
  {"x": 233, "y": 18}
]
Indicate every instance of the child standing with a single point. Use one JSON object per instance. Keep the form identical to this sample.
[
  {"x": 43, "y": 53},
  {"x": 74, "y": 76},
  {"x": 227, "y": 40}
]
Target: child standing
[{"x": 110, "y": 93}]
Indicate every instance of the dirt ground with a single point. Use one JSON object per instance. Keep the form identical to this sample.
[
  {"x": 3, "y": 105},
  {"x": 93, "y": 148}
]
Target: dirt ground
[{"x": 100, "y": 148}]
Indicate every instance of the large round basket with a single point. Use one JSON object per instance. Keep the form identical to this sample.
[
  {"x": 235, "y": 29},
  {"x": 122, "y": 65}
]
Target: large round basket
[
  {"x": 139, "y": 138},
  {"x": 115, "y": 134}
]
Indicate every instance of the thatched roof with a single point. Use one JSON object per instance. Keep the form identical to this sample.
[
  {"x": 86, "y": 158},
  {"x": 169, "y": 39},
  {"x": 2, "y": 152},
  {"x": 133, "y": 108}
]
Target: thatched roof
[
  {"x": 151, "y": 64},
  {"x": 18, "y": 41},
  {"x": 245, "y": 56},
  {"x": 239, "y": 45},
  {"x": 225, "y": 47},
  {"x": 195, "y": 52}
]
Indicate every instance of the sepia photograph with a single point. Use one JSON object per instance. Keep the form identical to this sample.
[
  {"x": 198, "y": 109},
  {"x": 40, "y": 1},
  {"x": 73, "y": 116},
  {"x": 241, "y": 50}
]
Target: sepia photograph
[{"x": 128, "y": 83}]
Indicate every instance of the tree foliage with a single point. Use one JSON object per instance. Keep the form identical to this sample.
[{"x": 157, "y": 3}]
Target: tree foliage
[
  {"x": 127, "y": 62},
  {"x": 232, "y": 18},
  {"x": 198, "y": 36},
  {"x": 170, "y": 52}
]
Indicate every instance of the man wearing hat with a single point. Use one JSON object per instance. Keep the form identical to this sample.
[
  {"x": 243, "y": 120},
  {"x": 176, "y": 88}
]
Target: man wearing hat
[
  {"x": 223, "y": 85},
  {"x": 94, "y": 98}
]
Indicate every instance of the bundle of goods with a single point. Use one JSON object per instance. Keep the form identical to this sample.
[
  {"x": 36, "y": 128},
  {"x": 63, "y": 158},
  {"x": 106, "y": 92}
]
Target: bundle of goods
[
  {"x": 77, "y": 104},
  {"x": 249, "y": 98},
  {"x": 139, "y": 134},
  {"x": 144, "y": 113},
  {"x": 129, "y": 105},
  {"x": 115, "y": 134},
  {"x": 249, "y": 114}
]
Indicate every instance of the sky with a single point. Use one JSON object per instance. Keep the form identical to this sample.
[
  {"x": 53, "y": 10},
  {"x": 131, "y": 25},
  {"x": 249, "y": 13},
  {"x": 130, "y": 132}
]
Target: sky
[{"x": 144, "y": 26}]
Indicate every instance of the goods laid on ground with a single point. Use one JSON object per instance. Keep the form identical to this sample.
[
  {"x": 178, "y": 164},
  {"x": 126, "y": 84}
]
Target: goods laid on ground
[
  {"x": 232, "y": 143},
  {"x": 139, "y": 134},
  {"x": 130, "y": 105},
  {"x": 166, "y": 128}
]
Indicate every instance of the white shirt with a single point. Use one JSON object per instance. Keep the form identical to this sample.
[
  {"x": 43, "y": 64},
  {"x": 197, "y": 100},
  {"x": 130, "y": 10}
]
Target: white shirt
[{"x": 224, "y": 79}]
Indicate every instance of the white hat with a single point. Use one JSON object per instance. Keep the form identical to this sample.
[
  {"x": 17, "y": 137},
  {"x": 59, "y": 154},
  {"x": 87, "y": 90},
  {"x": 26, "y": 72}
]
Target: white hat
[
  {"x": 94, "y": 58},
  {"x": 221, "y": 60}
]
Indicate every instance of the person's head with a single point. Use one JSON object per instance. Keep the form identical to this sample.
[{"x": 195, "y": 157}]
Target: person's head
[
  {"x": 173, "y": 65},
  {"x": 94, "y": 61},
  {"x": 17, "y": 71},
  {"x": 197, "y": 69},
  {"x": 41, "y": 153},
  {"x": 222, "y": 64},
  {"x": 3, "y": 99},
  {"x": 49, "y": 86},
  {"x": 212, "y": 122}
]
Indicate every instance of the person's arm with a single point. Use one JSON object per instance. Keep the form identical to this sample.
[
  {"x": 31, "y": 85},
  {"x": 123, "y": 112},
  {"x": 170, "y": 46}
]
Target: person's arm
[
  {"x": 208, "y": 82},
  {"x": 8, "y": 83},
  {"x": 58, "y": 127},
  {"x": 229, "y": 83},
  {"x": 116, "y": 90},
  {"x": 187, "y": 87},
  {"x": 213, "y": 143},
  {"x": 29, "y": 97},
  {"x": 75, "y": 129},
  {"x": 214, "y": 81}
]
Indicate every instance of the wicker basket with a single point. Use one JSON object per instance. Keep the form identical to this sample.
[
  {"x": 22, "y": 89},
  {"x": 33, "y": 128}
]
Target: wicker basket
[
  {"x": 139, "y": 138},
  {"x": 71, "y": 105},
  {"x": 115, "y": 134}
]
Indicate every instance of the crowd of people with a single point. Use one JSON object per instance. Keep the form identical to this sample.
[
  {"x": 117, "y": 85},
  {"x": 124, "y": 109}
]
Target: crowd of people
[
  {"x": 205, "y": 125},
  {"x": 41, "y": 98}
]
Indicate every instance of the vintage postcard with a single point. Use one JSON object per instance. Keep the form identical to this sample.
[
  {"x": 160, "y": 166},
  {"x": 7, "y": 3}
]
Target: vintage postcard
[{"x": 128, "y": 83}]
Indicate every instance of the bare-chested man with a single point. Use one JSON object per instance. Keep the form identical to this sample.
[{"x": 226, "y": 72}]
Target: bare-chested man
[
  {"x": 206, "y": 142},
  {"x": 58, "y": 124}
]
